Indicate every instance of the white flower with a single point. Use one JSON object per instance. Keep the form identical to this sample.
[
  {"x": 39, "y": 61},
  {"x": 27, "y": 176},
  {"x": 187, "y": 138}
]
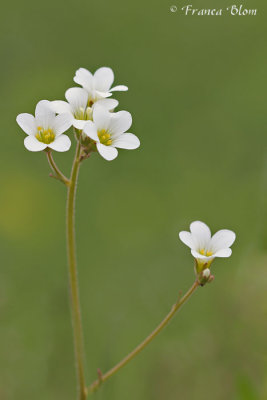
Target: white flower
[
  {"x": 45, "y": 129},
  {"x": 108, "y": 131},
  {"x": 79, "y": 107},
  {"x": 205, "y": 248},
  {"x": 98, "y": 85}
]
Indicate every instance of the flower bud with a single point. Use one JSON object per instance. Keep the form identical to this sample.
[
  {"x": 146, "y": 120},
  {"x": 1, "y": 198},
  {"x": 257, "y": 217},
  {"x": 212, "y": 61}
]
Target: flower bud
[
  {"x": 206, "y": 273},
  {"x": 205, "y": 276}
]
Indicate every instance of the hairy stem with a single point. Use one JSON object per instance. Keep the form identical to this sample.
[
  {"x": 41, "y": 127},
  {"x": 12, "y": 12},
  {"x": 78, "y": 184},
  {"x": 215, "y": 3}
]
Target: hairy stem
[
  {"x": 58, "y": 174},
  {"x": 73, "y": 279},
  {"x": 103, "y": 377}
]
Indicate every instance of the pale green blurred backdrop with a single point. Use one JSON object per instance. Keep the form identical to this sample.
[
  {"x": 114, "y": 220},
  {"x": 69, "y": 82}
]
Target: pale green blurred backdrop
[{"x": 197, "y": 93}]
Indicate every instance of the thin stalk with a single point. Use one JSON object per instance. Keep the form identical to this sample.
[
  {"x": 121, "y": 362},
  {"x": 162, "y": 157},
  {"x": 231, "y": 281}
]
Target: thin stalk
[
  {"x": 58, "y": 174},
  {"x": 102, "y": 378},
  {"x": 74, "y": 289}
]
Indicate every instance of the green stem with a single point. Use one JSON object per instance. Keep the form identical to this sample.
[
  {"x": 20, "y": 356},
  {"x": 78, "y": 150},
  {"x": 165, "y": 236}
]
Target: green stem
[
  {"x": 58, "y": 174},
  {"x": 102, "y": 378},
  {"x": 74, "y": 290}
]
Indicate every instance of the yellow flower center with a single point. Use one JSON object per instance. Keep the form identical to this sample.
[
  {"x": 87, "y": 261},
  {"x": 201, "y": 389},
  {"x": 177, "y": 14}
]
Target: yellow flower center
[
  {"x": 205, "y": 253},
  {"x": 104, "y": 137},
  {"x": 45, "y": 135}
]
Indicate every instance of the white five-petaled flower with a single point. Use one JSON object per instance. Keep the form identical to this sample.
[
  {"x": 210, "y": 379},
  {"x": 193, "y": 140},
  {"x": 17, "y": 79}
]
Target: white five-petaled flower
[
  {"x": 79, "y": 106},
  {"x": 108, "y": 130},
  {"x": 204, "y": 247},
  {"x": 98, "y": 85},
  {"x": 45, "y": 129}
]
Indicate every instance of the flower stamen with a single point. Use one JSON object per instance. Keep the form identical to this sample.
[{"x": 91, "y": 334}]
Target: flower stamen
[
  {"x": 104, "y": 137},
  {"x": 205, "y": 253},
  {"x": 83, "y": 114},
  {"x": 46, "y": 136}
]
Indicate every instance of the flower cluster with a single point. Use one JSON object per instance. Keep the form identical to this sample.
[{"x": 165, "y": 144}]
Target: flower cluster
[{"x": 89, "y": 110}]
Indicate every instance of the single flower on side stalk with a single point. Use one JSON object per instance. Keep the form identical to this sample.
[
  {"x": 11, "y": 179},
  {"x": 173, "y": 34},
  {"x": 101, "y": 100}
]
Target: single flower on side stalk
[
  {"x": 109, "y": 132},
  {"x": 98, "y": 85},
  {"x": 79, "y": 107},
  {"x": 204, "y": 247},
  {"x": 45, "y": 129}
]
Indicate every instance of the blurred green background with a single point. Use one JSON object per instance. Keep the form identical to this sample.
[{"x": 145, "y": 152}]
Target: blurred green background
[{"x": 197, "y": 93}]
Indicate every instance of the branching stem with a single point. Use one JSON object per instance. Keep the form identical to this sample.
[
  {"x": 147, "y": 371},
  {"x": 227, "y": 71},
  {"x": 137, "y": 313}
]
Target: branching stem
[
  {"x": 58, "y": 174},
  {"x": 83, "y": 391}
]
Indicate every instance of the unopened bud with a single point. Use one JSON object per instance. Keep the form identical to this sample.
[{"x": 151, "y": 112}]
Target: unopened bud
[
  {"x": 204, "y": 276},
  {"x": 206, "y": 273}
]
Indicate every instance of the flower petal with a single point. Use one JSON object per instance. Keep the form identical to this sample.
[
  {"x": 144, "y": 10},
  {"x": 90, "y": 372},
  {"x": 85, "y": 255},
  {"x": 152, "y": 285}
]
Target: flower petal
[
  {"x": 222, "y": 239},
  {"x": 109, "y": 104},
  {"x": 44, "y": 114},
  {"x": 77, "y": 97},
  {"x": 201, "y": 234},
  {"x": 61, "y": 107},
  {"x": 101, "y": 117},
  {"x": 44, "y": 108},
  {"x": 107, "y": 152},
  {"x": 119, "y": 88},
  {"x": 78, "y": 123},
  {"x": 103, "y": 79},
  {"x": 97, "y": 93},
  {"x": 61, "y": 143},
  {"x": 120, "y": 122},
  {"x": 32, "y": 144},
  {"x": 27, "y": 123},
  {"x": 126, "y": 141},
  {"x": 62, "y": 123},
  {"x": 84, "y": 78},
  {"x": 91, "y": 131},
  {"x": 187, "y": 239},
  {"x": 223, "y": 253}
]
